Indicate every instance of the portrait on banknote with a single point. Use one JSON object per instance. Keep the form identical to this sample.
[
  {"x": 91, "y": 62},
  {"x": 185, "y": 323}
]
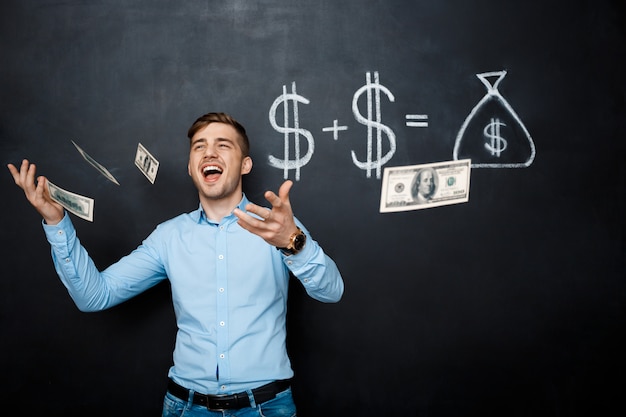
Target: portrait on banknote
[{"x": 424, "y": 185}]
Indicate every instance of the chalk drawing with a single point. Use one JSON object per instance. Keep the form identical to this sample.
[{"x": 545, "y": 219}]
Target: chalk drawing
[
  {"x": 493, "y": 135},
  {"x": 416, "y": 120},
  {"x": 298, "y": 162},
  {"x": 373, "y": 122},
  {"x": 335, "y": 128},
  {"x": 497, "y": 143}
]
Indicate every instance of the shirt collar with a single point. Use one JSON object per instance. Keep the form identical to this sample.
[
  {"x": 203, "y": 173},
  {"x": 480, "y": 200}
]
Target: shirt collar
[{"x": 199, "y": 215}]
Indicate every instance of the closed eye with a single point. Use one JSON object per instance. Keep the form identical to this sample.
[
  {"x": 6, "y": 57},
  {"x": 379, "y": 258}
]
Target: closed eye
[{"x": 225, "y": 143}]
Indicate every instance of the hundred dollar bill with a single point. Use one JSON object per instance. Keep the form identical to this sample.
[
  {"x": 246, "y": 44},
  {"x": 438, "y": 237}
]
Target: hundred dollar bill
[
  {"x": 146, "y": 163},
  {"x": 418, "y": 187},
  {"x": 74, "y": 203},
  {"x": 96, "y": 165}
]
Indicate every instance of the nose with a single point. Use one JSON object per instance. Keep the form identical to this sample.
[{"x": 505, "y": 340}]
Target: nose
[{"x": 210, "y": 151}]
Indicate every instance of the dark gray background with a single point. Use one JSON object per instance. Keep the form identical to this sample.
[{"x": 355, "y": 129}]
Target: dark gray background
[{"x": 511, "y": 305}]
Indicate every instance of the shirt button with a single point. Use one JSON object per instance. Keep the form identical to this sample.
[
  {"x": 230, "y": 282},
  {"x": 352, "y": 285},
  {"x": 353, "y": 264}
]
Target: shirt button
[
  {"x": 221, "y": 289},
  {"x": 221, "y": 257},
  {"x": 60, "y": 232},
  {"x": 223, "y": 387},
  {"x": 222, "y": 356},
  {"x": 67, "y": 260},
  {"x": 306, "y": 280},
  {"x": 289, "y": 262},
  {"x": 222, "y": 324}
]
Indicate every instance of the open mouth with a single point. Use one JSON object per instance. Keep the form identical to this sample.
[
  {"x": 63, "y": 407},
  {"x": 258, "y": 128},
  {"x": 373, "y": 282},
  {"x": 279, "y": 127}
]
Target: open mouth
[{"x": 211, "y": 172}]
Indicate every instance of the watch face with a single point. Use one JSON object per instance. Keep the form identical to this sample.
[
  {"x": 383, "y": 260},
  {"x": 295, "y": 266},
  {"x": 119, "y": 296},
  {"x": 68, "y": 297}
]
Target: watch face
[{"x": 298, "y": 242}]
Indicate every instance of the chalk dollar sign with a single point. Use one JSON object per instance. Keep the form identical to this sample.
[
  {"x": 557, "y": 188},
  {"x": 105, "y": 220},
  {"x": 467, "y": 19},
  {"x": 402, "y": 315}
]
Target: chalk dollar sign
[
  {"x": 298, "y": 162},
  {"x": 372, "y": 121},
  {"x": 497, "y": 144}
]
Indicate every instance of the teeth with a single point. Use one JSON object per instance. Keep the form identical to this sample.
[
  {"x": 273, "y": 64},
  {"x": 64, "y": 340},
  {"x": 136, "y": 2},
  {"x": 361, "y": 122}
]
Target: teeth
[{"x": 211, "y": 169}]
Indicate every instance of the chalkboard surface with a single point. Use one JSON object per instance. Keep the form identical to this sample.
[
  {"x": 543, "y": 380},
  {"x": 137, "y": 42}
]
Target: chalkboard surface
[{"x": 511, "y": 304}]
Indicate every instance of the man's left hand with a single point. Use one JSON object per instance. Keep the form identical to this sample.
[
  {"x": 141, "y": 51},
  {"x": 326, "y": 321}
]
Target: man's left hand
[{"x": 276, "y": 225}]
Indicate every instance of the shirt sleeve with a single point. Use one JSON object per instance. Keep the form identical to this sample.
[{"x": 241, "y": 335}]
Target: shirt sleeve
[
  {"x": 91, "y": 289},
  {"x": 317, "y": 272}
]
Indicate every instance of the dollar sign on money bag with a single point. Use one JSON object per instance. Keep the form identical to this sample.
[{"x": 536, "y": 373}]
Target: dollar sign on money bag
[
  {"x": 496, "y": 144},
  {"x": 299, "y": 161},
  {"x": 374, "y": 125},
  {"x": 493, "y": 135}
]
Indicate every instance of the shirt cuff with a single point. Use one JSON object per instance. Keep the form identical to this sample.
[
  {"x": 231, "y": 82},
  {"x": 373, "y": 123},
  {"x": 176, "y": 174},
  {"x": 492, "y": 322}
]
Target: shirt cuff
[{"x": 58, "y": 233}]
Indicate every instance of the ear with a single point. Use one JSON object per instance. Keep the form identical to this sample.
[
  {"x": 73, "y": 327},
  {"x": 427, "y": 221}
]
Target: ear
[
  {"x": 246, "y": 165},
  {"x": 188, "y": 169}
]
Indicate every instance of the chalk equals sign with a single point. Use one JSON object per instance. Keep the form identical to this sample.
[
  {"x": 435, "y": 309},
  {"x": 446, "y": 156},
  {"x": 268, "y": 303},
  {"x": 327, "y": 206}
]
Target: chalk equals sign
[{"x": 417, "y": 120}]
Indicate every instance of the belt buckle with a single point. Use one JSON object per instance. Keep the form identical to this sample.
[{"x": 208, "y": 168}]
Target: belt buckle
[{"x": 219, "y": 403}]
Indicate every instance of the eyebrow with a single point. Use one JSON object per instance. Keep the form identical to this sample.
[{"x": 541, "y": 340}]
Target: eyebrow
[{"x": 220, "y": 139}]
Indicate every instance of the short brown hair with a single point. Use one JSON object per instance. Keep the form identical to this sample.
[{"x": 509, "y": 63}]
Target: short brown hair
[{"x": 209, "y": 118}]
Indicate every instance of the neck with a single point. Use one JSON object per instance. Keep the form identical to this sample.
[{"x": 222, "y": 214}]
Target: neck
[{"x": 216, "y": 210}]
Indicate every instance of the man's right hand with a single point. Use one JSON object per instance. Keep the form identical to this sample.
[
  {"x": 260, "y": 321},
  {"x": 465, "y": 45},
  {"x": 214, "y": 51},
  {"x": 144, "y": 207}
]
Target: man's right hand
[{"x": 37, "y": 192}]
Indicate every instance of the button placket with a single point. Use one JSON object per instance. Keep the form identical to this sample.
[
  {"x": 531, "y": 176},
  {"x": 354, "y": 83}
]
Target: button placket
[{"x": 221, "y": 285}]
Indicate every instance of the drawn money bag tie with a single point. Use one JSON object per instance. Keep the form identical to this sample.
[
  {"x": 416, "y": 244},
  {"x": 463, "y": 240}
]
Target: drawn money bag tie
[{"x": 493, "y": 135}]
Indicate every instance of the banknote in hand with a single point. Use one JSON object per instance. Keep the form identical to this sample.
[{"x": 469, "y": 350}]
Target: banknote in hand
[{"x": 74, "y": 203}]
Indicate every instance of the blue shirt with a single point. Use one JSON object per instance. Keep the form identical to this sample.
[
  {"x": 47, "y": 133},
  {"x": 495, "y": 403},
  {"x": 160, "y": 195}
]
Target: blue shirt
[{"x": 229, "y": 290}]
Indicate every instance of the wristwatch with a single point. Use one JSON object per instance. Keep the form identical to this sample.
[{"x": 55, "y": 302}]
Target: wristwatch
[{"x": 296, "y": 243}]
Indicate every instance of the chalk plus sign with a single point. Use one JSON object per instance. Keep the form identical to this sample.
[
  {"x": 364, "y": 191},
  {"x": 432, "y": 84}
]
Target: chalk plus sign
[{"x": 335, "y": 129}]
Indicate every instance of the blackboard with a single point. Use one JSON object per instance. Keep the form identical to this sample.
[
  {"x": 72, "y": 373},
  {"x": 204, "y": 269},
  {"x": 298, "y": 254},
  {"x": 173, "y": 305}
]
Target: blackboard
[{"x": 511, "y": 304}]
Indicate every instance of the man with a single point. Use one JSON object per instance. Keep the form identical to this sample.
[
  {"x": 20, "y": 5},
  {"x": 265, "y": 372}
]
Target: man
[
  {"x": 228, "y": 263},
  {"x": 423, "y": 187}
]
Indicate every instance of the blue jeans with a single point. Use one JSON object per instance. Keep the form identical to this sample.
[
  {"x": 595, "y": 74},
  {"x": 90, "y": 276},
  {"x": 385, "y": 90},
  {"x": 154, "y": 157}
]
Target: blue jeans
[{"x": 281, "y": 406}]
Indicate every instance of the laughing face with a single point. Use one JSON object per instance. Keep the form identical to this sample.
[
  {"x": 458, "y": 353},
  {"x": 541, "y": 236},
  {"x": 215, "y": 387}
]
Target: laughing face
[{"x": 216, "y": 164}]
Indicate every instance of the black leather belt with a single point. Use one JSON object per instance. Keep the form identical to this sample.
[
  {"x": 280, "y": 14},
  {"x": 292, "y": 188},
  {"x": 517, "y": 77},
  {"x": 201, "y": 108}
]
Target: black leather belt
[{"x": 233, "y": 401}]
